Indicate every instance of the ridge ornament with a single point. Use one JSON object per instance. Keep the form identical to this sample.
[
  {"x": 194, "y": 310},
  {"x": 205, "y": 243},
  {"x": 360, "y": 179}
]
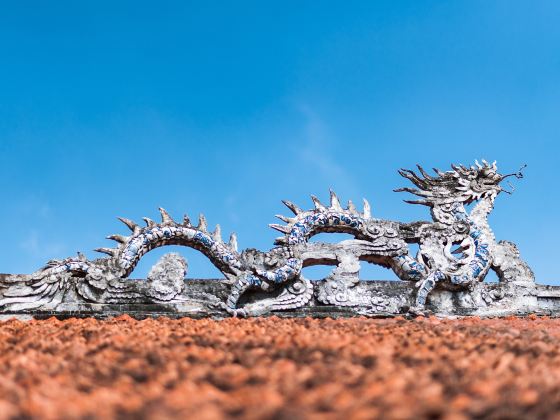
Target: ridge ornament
[{"x": 456, "y": 250}]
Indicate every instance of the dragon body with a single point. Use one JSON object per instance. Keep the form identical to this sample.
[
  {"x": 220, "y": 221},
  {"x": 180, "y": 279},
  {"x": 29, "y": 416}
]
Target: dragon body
[
  {"x": 456, "y": 247},
  {"x": 375, "y": 238}
]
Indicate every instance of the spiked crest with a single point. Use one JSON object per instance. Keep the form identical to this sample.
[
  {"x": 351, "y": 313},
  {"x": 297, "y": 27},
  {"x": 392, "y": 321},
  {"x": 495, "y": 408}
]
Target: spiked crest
[
  {"x": 156, "y": 230},
  {"x": 334, "y": 207},
  {"x": 461, "y": 184}
]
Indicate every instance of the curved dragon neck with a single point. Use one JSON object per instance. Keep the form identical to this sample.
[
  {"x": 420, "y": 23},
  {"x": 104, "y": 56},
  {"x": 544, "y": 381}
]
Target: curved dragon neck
[
  {"x": 483, "y": 239},
  {"x": 479, "y": 217}
]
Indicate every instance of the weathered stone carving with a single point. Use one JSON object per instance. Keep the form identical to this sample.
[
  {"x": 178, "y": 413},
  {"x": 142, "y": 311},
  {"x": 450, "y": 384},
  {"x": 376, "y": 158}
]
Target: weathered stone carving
[
  {"x": 456, "y": 251},
  {"x": 166, "y": 279}
]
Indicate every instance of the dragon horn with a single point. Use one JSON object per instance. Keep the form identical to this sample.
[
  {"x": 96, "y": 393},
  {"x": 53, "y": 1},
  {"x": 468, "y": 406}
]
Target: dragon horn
[
  {"x": 318, "y": 204},
  {"x": 108, "y": 251},
  {"x": 335, "y": 202},
  {"x": 130, "y": 224},
  {"x": 202, "y": 224},
  {"x": 217, "y": 235},
  {"x": 233, "y": 241},
  {"x": 119, "y": 238},
  {"x": 295, "y": 209},
  {"x": 284, "y": 218},
  {"x": 149, "y": 222},
  {"x": 165, "y": 217},
  {"x": 367, "y": 210},
  {"x": 280, "y": 228}
]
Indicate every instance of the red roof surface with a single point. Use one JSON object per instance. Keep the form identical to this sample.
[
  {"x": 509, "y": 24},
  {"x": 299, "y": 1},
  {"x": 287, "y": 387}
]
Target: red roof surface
[{"x": 280, "y": 368}]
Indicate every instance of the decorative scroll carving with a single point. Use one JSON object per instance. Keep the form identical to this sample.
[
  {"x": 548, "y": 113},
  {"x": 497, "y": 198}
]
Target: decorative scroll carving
[
  {"x": 166, "y": 279},
  {"x": 457, "y": 249}
]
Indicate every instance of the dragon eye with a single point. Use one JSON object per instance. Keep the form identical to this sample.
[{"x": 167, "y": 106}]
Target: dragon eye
[
  {"x": 461, "y": 227},
  {"x": 390, "y": 232},
  {"x": 375, "y": 230}
]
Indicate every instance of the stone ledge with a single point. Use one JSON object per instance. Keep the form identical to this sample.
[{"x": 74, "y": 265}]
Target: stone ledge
[{"x": 518, "y": 300}]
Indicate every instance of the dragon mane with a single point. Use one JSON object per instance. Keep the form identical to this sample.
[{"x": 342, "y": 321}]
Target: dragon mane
[{"x": 461, "y": 184}]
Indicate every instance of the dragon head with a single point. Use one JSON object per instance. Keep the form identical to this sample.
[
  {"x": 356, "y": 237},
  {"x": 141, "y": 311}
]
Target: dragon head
[{"x": 460, "y": 185}]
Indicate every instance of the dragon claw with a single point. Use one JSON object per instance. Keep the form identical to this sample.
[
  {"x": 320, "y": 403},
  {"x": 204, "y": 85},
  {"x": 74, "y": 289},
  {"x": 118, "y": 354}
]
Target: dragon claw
[
  {"x": 234, "y": 312},
  {"x": 418, "y": 310}
]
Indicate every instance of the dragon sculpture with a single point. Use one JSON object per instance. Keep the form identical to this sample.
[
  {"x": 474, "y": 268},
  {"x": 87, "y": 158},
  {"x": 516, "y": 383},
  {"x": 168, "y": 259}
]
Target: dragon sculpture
[{"x": 456, "y": 249}]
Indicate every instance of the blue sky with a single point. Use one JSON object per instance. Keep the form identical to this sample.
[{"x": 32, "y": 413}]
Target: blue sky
[{"x": 228, "y": 107}]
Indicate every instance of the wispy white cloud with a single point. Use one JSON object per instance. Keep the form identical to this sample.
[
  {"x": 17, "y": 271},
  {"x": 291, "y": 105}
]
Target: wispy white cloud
[
  {"x": 37, "y": 212},
  {"x": 35, "y": 207},
  {"x": 231, "y": 204},
  {"x": 319, "y": 150},
  {"x": 35, "y": 247}
]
